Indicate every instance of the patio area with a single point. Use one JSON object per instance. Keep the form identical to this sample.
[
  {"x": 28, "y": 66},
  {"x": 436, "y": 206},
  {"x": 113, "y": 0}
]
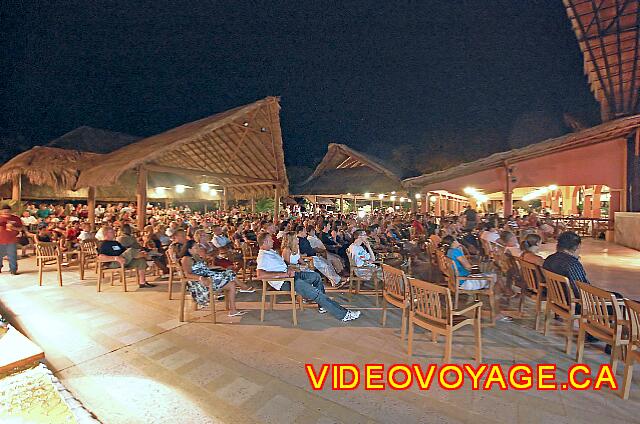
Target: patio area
[{"x": 129, "y": 360}]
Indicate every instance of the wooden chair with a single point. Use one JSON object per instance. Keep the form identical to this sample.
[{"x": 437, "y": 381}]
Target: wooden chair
[
  {"x": 356, "y": 281},
  {"x": 213, "y": 297},
  {"x": 431, "y": 252},
  {"x": 560, "y": 300},
  {"x": 103, "y": 268},
  {"x": 633, "y": 348},
  {"x": 453, "y": 280},
  {"x": 535, "y": 289},
  {"x": 88, "y": 255},
  {"x": 175, "y": 271},
  {"x": 48, "y": 254},
  {"x": 267, "y": 290},
  {"x": 433, "y": 310},
  {"x": 249, "y": 258},
  {"x": 602, "y": 317},
  {"x": 394, "y": 291}
]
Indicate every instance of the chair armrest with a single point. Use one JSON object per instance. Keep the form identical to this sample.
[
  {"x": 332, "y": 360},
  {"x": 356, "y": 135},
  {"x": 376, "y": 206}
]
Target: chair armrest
[{"x": 467, "y": 309}]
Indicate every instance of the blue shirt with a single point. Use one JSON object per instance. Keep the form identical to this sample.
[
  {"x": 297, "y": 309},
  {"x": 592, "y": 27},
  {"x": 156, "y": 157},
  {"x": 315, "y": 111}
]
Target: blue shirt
[{"x": 454, "y": 254}]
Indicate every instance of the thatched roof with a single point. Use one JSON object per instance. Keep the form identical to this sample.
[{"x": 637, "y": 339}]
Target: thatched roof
[
  {"x": 344, "y": 170},
  {"x": 608, "y": 34},
  {"x": 50, "y": 166},
  {"x": 240, "y": 149},
  {"x": 598, "y": 134},
  {"x": 94, "y": 140}
]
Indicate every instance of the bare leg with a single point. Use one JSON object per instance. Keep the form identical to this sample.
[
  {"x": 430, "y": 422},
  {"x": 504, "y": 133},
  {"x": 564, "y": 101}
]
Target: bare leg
[
  {"x": 141, "y": 275},
  {"x": 230, "y": 290}
]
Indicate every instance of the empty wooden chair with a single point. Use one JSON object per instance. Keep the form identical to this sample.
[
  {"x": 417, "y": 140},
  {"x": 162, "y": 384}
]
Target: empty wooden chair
[
  {"x": 267, "y": 290},
  {"x": 88, "y": 256},
  {"x": 249, "y": 261},
  {"x": 633, "y": 348},
  {"x": 535, "y": 287},
  {"x": 48, "y": 254},
  {"x": 561, "y": 301},
  {"x": 602, "y": 317},
  {"x": 394, "y": 291},
  {"x": 453, "y": 280},
  {"x": 432, "y": 309}
]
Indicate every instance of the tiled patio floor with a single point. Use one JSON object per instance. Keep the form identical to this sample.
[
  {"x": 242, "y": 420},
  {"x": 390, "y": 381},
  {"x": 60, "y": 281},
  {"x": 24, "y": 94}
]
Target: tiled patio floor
[{"x": 129, "y": 360}]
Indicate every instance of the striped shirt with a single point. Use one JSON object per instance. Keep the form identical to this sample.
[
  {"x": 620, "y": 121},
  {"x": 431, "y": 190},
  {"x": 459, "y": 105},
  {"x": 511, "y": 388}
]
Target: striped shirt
[{"x": 569, "y": 266}]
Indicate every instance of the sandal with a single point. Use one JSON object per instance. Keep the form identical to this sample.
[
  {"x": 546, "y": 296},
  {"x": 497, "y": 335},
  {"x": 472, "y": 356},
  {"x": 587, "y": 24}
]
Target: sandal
[{"x": 236, "y": 314}]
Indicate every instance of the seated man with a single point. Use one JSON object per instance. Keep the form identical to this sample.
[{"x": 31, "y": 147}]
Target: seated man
[
  {"x": 219, "y": 240},
  {"x": 566, "y": 260},
  {"x": 111, "y": 251},
  {"x": 307, "y": 284}
]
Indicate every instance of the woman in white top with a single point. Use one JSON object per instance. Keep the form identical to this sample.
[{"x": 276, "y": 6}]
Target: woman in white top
[{"x": 290, "y": 248}]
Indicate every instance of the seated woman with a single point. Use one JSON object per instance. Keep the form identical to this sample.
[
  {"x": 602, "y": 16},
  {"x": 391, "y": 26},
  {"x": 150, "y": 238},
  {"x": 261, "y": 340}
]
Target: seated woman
[
  {"x": 204, "y": 240},
  {"x": 290, "y": 248},
  {"x": 530, "y": 247},
  {"x": 362, "y": 255},
  {"x": 199, "y": 276},
  {"x": 321, "y": 264}
]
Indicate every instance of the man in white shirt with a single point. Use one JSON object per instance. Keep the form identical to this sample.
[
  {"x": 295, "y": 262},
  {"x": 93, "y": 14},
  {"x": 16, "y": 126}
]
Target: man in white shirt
[
  {"x": 309, "y": 285},
  {"x": 219, "y": 240},
  {"x": 28, "y": 219},
  {"x": 490, "y": 234}
]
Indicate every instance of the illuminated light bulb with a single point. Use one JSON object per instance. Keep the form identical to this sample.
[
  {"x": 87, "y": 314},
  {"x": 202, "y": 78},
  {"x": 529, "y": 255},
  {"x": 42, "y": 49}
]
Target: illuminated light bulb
[
  {"x": 380, "y": 196},
  {"x": 180, "y": 188},
  {"x": 418, "y": 195},
  {"x": 553, "y": 187},
  {"x": 433, "y": 198},
  {"x": 402, "y": 200},
  {"x": 245, "y": 124},
  {"x": 204, "y": 187},
  {"x": 393, "y": 198},
  {"x": 367, "y": 195},
  {"x": 160, "y": 191},
  {"x": 393, "y": 192}
]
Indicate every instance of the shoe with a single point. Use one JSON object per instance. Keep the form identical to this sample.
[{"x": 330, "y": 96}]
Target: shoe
[
  {"x": 145, "y": 285},
  {"x": 322, "y": 311},
  {"x": 237, "y": 314},
  {"x": 351, "y": 315},
  {"x": 14, "y": 272},
  {"x": 220, "y": 297},
  {"x": 249, "y": 290},
  {"x": 506, "y": 319}
]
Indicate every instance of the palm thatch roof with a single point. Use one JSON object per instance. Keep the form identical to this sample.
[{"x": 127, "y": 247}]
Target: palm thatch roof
[
  {"x": 94, "y": 140},
  {"x": 608, "y": 33},
  {"x": 48, "y": 166},
  {"x": 598, "y": 134},
  {"x": 344, "y": 170},
  {"x": 240, "y": 149}
]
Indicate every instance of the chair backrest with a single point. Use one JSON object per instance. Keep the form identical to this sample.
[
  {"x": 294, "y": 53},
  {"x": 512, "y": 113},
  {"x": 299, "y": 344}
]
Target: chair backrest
[
  {"x": 89, "y": 249},
  {"x": 430, "y": 302},
  {"x": 633, "y": 312},
  {"x": 531, "y": 274},
  {"x": 431, "y": 251},
  {"x": 172, "y": 258},
  {"x": 394, "y": 282},
  {"x": 47, "y": 250},
  {"x": 248, "y": 251},
  {"x": 596, "y": 304},
  {"x": 558, "y": 290}
]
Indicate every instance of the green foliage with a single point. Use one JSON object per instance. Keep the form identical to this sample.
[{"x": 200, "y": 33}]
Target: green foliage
[{"x": 265, "y": 205}]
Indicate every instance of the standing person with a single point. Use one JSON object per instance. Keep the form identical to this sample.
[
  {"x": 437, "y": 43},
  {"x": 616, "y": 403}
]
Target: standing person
[{"x": 10, "y": 226}]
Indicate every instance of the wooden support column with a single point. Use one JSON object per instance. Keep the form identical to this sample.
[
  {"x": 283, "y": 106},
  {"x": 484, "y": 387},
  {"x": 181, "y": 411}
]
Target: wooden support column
[
  {"x": 615, "y": 202},
  {"x": 276, "y": 205},
  {"x": 91, "y": 207},
  {"x": 414, "y": 202},
  {"x": 341, "y": 203},
  {"x": 253, "y": 205},
  {"x": 595, "y": 202},
  {"x": 225, "y": 199},
  {"x": 16, "y": 188},
  {"x": 141, "y": 197}
]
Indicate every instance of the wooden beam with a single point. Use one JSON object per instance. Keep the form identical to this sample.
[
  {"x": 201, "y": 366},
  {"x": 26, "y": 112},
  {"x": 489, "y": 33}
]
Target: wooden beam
[
  {"x": 91, "y": 206},
  {"x": 258, "y": 183},
  {"x": 196, "y": 172},
  {"x": 141, "y": 197},
  {"x": 16, "y": 188}
]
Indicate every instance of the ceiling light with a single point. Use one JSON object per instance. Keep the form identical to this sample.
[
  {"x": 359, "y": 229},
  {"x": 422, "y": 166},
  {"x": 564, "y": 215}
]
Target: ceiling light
[
  {"x": 367, "y": 195},
  {"x": 204, "y": 187},
  {"x": 380, "y": 196},
  {"x": 245, "y": 124},
  {"x": 180, "y": 188},
  {"x": 418, "y": 195}
]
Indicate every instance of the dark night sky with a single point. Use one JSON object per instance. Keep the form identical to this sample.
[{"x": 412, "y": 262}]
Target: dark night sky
[{"x": 373, "y": 75}]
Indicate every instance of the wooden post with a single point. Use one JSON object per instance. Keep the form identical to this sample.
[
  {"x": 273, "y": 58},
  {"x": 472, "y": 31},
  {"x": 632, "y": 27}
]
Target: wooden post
[
  {"x": 166, "y": 203},
  {"x": 253, "y": 205},
  {"x": 341, "y": 203},
  {"x": 508, "y": 195},
  {"x": 414, "y": 202},
  {"x": 225, "y": 199},
  {"x": 16, "y": 188},
  {"x": 141, "y": 197},
  {"x": 276, "y": 205},
  {"x": 355, "y": 204},
  {"x": 91, "y": 206},
  {"x": 205, "y": 207}
]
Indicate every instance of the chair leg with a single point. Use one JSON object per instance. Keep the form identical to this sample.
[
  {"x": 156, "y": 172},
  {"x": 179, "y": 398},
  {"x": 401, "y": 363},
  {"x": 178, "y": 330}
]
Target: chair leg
[
  {"x": 455, "y": 300},
  {"x": 264, "y": 299},
  {"x": 492, "y": 304},
  {"x": 547, "y": 314},
  {"x": 182, "y": 300},
  {"x": 626, "y": 380},
  {"x": 403, "y": 328},
  {"x": 448, "y": 341},
  {"x": 384, "y": 311},
  {"x": 82, "y": 265},
  {"x": 293, "y": 307},
  {"x": 375, "y": 288},
  {"x": 59, "y": 264},
  {"x": 478, "y": 333},
  {"x": 123, "y": 278},
  {"x": 100, "y": 276},
  {"x": 212, "y": 301},
  {"x": 580, "y": 344},
  {"x": 538, "y": 310},
  {"x": 615, "y": 354},
  {"x": 410, "y": 339},
  {"x": 170, "y": 287},
  {"x": 569, "y": 336},
  {"x": 40, "y": 265}
]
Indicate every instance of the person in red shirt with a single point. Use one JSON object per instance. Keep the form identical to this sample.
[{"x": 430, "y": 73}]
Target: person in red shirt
[{"x": 10, "y": 226}]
